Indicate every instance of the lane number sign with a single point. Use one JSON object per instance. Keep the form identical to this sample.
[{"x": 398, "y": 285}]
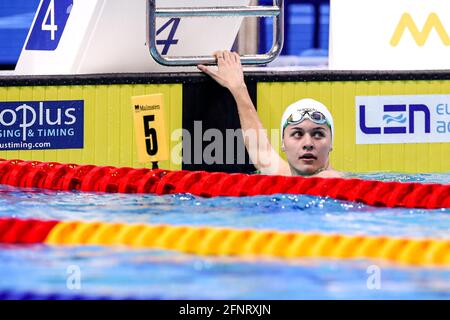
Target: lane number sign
[
  {"x": 49, "y": 25},
  {"x": 52, "y": 18},
  {"x": 150, "y": 129}
]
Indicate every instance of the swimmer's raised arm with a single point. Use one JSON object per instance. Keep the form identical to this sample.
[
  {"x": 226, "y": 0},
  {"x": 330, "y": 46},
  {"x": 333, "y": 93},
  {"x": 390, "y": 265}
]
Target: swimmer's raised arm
[{"x": 230, "y": 75}]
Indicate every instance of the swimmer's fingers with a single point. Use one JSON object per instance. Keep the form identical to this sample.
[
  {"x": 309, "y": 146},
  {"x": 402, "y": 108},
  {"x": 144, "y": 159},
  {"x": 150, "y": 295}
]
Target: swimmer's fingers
[
  {"x": 218, "y": 54},
  {"x": 237, "y": 58},
  {"x": 220, "y": 57},
  {"x": 209, "y": 71},
  {"x": 228, "y": 57},
  {"x": 228, "y": 72}
]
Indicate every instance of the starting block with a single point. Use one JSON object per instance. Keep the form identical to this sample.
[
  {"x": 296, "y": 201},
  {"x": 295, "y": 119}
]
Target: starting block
[{"x": 111, "y": 36}]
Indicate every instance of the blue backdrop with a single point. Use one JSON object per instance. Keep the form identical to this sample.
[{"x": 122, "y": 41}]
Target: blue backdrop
[{"x": 16, "y": 17}]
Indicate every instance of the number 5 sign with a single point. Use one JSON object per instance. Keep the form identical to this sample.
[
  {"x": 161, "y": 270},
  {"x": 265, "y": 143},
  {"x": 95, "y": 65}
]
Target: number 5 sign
[
  {"x": 49, "y": 25},
  {"x": 150, "y": 128}
]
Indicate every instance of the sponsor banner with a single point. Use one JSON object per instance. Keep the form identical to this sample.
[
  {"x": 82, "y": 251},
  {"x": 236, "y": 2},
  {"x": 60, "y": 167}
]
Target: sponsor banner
[
  {"x": 151, "y": 141},
  {"x": 389, "y": 35},
  {"x": 402, "y": 119},
  {"x": 37, "y": 125}
]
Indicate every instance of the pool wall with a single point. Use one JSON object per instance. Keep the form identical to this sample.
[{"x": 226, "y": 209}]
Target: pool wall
[
  {"x": 339, "y": 96},
  {"x": 191, "y": 97},
  {"x": 108, "y": 120}
]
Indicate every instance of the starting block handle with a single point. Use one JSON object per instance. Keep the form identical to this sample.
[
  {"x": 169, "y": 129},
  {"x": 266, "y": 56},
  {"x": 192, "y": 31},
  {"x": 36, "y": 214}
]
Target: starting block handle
[{"x": 276, "y": 11}]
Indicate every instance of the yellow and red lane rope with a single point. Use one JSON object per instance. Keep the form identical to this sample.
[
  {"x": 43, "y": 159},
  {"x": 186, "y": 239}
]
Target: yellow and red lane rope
[{"x": 228, "y": 241}]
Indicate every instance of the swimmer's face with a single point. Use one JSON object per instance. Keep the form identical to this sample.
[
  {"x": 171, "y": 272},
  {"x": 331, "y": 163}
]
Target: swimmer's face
[{"x": 307, "y": 146}]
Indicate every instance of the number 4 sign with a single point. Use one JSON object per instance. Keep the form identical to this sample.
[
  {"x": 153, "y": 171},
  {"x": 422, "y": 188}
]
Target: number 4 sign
[
  {"x": 49, "y": 25},
  {"x": 170, "y": 38}
]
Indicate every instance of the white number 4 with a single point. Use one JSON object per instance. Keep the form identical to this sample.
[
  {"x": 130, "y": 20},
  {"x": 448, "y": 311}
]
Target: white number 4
[{"x": 52, "y": 27}]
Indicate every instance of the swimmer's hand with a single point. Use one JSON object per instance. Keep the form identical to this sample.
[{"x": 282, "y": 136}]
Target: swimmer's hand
[{"x": 229, "y": 72}]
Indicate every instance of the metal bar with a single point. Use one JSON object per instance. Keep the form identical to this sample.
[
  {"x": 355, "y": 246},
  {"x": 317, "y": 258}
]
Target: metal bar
[
  {"x": 248, "y": 11},
  {"x": 278, "y": 36}
]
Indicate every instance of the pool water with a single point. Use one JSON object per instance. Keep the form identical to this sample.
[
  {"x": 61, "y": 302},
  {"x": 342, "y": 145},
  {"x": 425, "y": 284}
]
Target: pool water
[{"x": 121, "y": 272}]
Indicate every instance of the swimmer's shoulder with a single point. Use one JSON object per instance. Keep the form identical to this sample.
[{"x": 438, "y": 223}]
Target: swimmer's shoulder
[{"x": 331, "y": 173}]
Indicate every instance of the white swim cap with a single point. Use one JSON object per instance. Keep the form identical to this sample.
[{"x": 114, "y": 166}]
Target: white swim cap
[{"x": 307, "y": 104}]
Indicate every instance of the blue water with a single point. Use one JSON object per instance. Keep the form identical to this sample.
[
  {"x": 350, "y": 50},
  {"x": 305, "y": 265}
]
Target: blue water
[{"x": 123, "y": 272}]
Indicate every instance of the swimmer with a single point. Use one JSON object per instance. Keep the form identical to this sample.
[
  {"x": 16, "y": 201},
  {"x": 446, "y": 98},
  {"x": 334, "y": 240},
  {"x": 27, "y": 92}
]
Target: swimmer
[{"x": 306, "y": 127}]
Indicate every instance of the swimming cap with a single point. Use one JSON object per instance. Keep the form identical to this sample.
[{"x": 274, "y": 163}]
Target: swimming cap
[{"x": 307, "y": 104}]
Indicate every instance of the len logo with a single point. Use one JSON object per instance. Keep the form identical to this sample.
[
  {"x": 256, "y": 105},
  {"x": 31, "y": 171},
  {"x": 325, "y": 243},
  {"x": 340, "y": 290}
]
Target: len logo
[
  {"x": 411, "y": 109},
  {"x": 420, "y": 37}
]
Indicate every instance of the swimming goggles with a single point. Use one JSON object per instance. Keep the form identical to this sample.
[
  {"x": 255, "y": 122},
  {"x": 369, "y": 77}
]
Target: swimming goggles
[{"x": 311, "y": 114}]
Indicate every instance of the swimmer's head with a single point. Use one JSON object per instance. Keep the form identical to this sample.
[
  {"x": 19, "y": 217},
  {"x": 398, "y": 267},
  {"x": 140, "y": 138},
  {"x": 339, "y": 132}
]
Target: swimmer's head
[
  {"x": 307, "y": 131},
  {"x": 307, "y": 109}
]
